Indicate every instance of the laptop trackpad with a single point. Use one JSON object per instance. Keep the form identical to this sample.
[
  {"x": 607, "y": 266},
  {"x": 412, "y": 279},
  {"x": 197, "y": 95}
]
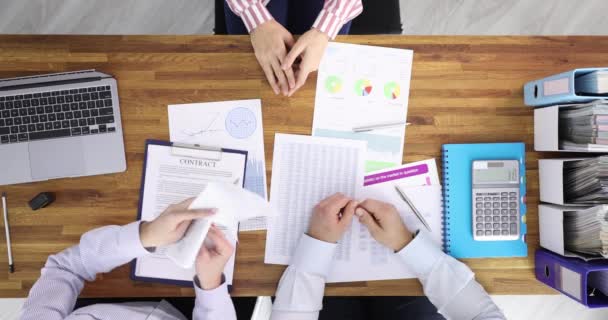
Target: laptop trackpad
[{"x": 56, "y": 158}]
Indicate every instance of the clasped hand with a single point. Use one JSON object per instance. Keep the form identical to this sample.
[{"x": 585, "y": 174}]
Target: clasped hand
[
  {"x": 332, "y": 217},
  {"x": 278, "y": 52},
  {"x": 171, "y": 226}
]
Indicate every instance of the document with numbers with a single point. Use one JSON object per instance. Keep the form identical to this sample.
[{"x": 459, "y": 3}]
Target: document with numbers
[{"x": 308, "y": 169}]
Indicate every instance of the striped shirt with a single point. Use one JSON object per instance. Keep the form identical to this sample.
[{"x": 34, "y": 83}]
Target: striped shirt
[{"x": 333, "y": 16}]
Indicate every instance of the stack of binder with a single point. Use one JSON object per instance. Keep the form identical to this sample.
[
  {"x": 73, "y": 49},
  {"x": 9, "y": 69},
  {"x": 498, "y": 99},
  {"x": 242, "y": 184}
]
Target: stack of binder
[
  {"x": 584, "y": 127},
  {"x": 586, "y": 231},
  {"x": 572, "y": 119}
]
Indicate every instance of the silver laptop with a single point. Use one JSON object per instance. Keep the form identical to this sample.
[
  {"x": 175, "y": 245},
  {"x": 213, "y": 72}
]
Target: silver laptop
[{"x": 59, "y": 125}]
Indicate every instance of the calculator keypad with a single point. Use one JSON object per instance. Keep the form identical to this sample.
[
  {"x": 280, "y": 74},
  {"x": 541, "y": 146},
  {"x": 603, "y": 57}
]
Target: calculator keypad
[{"x": 496, "y": 214}]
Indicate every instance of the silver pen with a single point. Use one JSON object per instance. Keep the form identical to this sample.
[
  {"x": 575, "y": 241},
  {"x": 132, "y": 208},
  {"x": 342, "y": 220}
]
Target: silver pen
[
  {"x": 11, "y": 266},
  {"x": 380, "y": 126},
  {"x": 411, "y": 205}
]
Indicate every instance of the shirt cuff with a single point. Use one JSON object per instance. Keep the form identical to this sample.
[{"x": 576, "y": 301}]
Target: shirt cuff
[
  {"x": 313, "y": 256},
  {"x": 421, "y": 254},
  {"x": 129, "y": 241},
  {"x": 255, "y": 15},
  {"x": 328, "y": 23},
  {"x": 214, "y": 296}
]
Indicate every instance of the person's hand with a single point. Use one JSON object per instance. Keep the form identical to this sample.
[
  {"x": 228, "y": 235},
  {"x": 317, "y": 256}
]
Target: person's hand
[
  {"x": 331, "y": 217},
  {"x": 210, "y": 263},
  {"x": 310, "y": 47},
  {"x": 171, "y": 225},
  {"x": 270, "y": 43},
  {"x": 384, "y": 223}
]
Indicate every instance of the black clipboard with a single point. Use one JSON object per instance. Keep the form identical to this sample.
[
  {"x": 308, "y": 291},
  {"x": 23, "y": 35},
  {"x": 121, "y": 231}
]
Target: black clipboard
[{"x": 185, "y": 147}]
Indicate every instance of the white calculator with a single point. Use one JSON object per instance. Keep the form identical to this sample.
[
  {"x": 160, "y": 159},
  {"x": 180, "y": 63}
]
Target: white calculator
[{"x": 496, "y": 200}]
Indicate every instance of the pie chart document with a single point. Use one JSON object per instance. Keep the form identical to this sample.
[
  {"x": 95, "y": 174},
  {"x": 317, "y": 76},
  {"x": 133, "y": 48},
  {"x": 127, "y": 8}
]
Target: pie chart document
[{"x": 360, "y": 86}]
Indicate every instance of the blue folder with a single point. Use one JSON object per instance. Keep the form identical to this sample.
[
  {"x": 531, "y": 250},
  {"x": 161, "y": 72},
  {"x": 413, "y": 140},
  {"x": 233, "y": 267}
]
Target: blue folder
[
  {"x": 458, "y": 230},
  {"x": 557, "y": 89}
]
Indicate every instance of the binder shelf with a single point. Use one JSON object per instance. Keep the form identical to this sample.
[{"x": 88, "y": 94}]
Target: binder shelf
[
  {"x": 551, "y": 229},
  {"x": 551, "y": 180},
  {"x": 546, "y": 129}
]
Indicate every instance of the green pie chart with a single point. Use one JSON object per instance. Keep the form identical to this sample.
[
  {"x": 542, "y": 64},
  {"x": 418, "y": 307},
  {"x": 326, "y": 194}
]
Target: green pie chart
[
  {"x": 392, "y": 90},
  {"x": 333, "y": 84},
  {"x": 363, "y": 87}
]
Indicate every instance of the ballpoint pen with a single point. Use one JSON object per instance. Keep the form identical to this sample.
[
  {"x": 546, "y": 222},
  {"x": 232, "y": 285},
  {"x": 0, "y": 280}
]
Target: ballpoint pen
[
  {"x": 380, "y": 126},
  {"x": 11, "y": 266},
  {"x": 411, "y": 205}
]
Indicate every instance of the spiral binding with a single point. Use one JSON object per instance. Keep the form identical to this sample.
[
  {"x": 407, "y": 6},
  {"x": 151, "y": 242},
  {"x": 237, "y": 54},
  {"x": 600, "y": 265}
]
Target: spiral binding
[{"x": 445, "y": 163}]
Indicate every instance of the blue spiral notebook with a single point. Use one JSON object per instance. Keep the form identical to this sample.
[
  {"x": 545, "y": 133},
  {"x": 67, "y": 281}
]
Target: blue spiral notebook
[{"x": 458, "y": 233}]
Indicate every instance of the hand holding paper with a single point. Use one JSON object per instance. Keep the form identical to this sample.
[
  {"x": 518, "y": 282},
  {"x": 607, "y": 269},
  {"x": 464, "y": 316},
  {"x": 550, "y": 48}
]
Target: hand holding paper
[
  {"x": 210, "y": 262},
  {"x": 171, "y": 225},
  {"x": 233, "y": 204}
]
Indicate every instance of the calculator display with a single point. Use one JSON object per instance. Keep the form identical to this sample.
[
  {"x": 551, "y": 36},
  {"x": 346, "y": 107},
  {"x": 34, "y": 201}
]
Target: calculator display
[
  {"x": 495, "y": 175},
  {"x": 495, "y": 172}
]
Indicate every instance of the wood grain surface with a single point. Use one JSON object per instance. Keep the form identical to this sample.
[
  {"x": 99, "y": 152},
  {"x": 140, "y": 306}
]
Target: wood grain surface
[{"x": 463, "y": 89}]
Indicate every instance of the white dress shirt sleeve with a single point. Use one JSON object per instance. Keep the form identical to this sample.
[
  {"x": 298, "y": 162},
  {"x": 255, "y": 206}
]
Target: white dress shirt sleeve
[
  {"x": 213, "y": 304},
  {"x": 449, "y": 284},
  {"x": 54, "y": 295},
  {"x": 300, "y": 292}
]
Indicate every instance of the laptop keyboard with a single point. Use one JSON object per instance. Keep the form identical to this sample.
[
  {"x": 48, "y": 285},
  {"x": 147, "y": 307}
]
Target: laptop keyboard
[{"x": 56, "y": 114}]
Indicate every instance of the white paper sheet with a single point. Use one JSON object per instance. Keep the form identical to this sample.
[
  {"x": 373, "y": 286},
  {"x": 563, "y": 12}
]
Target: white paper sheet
[
  {"x": 375, "y": 261},
  {"x": 233, "y": 204},
  {"x": 420, "y": 182},
  {"x": 306, "y": 170},
  {"x": 171, "y": 180},
  {"x": 364, "y": 85},
  {"x": 227, "y": 124}
]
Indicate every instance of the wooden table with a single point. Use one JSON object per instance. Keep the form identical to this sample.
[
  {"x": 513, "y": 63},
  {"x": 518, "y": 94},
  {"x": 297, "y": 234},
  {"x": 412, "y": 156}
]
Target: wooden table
[{"x": 463, "y": 89}]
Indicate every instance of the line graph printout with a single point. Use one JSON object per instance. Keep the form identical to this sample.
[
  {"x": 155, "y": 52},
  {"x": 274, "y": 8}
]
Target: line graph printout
[
  {"x": 226, "y": 124},
  {"x": 363, "y": 86}
]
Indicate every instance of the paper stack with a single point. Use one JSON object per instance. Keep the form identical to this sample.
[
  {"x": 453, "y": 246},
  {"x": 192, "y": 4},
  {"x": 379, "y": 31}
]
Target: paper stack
[
  {"x": 584, "y": 127},
  {"x": 586, "y": 181},
  {"x": 586, "y": 231},
  {"x": 593, "y": 83}
]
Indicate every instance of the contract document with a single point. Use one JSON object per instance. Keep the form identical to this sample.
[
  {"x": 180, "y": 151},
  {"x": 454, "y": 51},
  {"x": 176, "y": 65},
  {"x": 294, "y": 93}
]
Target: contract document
[{"x": 171, "y": 175}]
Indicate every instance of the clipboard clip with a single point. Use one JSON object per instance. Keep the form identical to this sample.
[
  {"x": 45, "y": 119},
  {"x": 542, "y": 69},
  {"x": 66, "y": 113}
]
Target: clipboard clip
[{"x": 196, "y": 151}]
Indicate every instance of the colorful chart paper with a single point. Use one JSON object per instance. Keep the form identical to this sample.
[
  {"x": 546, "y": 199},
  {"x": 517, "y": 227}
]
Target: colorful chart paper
[
  {"x": 333, "y": 84},
  {"x": 374, "y": 87},
  {"x": 363, "y": 87},
  {"x": 392, "y": 90}
]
